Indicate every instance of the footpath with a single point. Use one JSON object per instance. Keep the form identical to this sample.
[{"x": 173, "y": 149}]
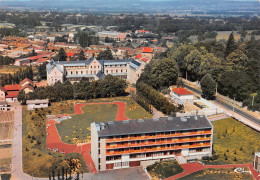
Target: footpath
[{"x": 54, "y": 141}]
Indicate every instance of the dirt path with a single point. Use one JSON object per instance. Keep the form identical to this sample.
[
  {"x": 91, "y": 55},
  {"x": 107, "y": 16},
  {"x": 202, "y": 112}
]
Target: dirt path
[
  {"x": 190, "y": 168},
  {"x": 54, "y": 141}
]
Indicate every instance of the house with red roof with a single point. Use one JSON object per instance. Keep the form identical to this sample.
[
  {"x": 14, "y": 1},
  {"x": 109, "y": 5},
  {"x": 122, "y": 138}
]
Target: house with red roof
[
  {"x": 141, "y": 31},
  {"x": 11, "y": 91},
  {"x": 147, "y": 52},
  {"x": 181, "y": 95},
  {"x": 26, "y": 81}
]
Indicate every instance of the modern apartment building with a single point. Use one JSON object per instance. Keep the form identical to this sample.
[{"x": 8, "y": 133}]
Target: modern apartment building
[{"x": 129, "y": 143}]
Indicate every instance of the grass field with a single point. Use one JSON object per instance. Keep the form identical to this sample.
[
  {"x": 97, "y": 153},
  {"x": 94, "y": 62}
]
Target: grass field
[
  {"x": 78, "y": 128},
  {"x": 36, "y": 158},
  {"x": 63, "y": 107},
  {"x": 164, "y": 169},
  {"x": 234, "y": 142},
  {"x": 217, "y": 174},
  {"x": 133, "y": 110},
  {"x": 6, "y": 69}
]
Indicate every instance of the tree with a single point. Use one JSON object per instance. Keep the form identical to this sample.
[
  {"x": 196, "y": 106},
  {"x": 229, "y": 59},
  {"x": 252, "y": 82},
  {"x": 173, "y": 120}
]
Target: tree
[
  {"x": 160, "y": 73},
  {"x": 231, "y": 45},
  {"x": 62, "y": 56},
  {"x": 86, "y": 39},
  {"x": 208, "y": 86},
  {"x": 21, "y": 97},
  {"x": 82, "y": 55},
  {"x": 42, "y": 71},
  {"x": 105, "y": 55}
]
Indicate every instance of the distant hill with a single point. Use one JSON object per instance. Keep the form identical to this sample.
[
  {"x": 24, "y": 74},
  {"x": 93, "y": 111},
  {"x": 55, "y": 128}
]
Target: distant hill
[{"x": 146, "y": 6}]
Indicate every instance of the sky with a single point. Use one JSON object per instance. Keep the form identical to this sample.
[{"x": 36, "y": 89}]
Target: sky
[{"x": 119, "y": 0}]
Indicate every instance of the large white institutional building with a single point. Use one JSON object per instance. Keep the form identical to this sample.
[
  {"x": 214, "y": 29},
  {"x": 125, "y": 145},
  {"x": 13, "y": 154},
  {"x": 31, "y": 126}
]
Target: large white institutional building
[{"x": 93, "y": 69}]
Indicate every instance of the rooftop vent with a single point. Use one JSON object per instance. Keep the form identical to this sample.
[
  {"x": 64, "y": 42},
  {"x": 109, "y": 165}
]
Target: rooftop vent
[
  {"x": 140, "y": 120},
  {"x": 188, "y": 117},
  {"x": 170, "y": 118},
  {"x": 102, "y": 125},
  {"x": 156, "y": 119},
  {"x": 201, "y": 116},
  {"x": 183, "y": 118},
  {"x": 110, "y": 122},
  {"x": 196, "y": 117},
  {"x": 126, "y": 121}
]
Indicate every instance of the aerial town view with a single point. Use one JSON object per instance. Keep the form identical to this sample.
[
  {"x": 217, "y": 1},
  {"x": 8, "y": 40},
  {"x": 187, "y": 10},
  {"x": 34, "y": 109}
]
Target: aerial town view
[{"x": 129, "y": 90}]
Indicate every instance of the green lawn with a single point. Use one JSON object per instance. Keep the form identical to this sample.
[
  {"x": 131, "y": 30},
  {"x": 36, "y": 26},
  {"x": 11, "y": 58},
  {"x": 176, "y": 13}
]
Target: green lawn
[
  {"x": 234, "y": 142},
  {"x": 164, "y": 169},
  {"x": 133, "y": 110},
  {"x": 217, "y": 174},
  {"x": 78, "y": 128},
  {"x": 37, "y": 160}
]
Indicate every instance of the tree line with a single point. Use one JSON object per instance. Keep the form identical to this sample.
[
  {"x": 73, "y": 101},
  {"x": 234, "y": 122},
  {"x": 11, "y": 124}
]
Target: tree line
[
  {"x": 110, "y": 86},
  {"x": 233, "y": 66},
  {"x": 156, "y": 99},
  {"x": 17, "y": 76},
  {"x": 6, "y": 60}
]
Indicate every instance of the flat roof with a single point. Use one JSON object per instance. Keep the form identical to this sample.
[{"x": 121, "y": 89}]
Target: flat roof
[{"x": 162, "y": 124}]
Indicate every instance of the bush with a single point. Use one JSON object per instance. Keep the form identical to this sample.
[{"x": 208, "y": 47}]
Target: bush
[
  {"x": 165, "y": 169},
  {"x": 157, "y": 100}
]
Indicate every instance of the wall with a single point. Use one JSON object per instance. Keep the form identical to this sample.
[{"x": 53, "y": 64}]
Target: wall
[{"x": 94, "y": 145}]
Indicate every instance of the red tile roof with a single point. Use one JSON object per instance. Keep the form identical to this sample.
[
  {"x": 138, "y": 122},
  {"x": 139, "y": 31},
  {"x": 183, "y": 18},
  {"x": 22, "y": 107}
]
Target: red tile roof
[
  {"x": 15, "y": 87},
  {"x": 181, "y": 91},
  {"x": 147, "y": 49},
  {"x": 25, "y": 80},
  {"x": 139, "y": 56},
  {"x": 70, "y": 54},
  {"x": 144, "y": 59},
  {"x": 2, "y": 89},
  {"x": 12, "y": 94},
  {"x": 27, "y": 86}
]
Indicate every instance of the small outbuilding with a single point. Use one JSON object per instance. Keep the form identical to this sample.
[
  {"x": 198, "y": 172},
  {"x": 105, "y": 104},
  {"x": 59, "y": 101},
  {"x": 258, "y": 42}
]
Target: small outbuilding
[
  {"x": 37, "y": 103},
  {"x": 181, "y": 95}
]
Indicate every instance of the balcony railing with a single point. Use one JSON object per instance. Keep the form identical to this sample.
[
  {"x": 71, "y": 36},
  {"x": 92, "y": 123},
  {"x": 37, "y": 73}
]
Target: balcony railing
[
  {"x": 128, "y": 145},
  {"x": 159, "y": 136},
  {"x": 144, "y": 150}
]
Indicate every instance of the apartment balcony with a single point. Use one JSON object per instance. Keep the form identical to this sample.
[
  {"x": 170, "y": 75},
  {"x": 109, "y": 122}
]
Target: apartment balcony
[
  {"x": 145, "y": 150},
  {"x": 157, "y": 143},
  {"x": 159, "y": 136}
]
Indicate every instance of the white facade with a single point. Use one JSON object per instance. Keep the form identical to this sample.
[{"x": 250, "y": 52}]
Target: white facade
[
  {"x": 181, "y": 96},
  {"x": 33, "y": 104}
]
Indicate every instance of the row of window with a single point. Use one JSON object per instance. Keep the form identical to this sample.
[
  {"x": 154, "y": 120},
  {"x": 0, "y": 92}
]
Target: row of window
[
  {"x": 121, "y": 164},
  {"x": 158, "y": 140},
  {"x": 160, "y": 146},
  {"x": 116, "y": 71},
  {"x": 160, "y": 134}
]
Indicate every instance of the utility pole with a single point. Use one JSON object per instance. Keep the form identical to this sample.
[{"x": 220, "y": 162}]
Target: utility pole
[
  {"x": 254, "y": 94},
  {"x": 234, "y": 106},
  {"x": 216, "y": 88}
]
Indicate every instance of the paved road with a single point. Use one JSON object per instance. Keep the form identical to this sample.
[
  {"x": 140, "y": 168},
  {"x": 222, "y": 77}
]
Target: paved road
[
  {"x": 242, "y": 113},
  {"x": 17, "y": 159},
  {"x": 229, "y": 107}
]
